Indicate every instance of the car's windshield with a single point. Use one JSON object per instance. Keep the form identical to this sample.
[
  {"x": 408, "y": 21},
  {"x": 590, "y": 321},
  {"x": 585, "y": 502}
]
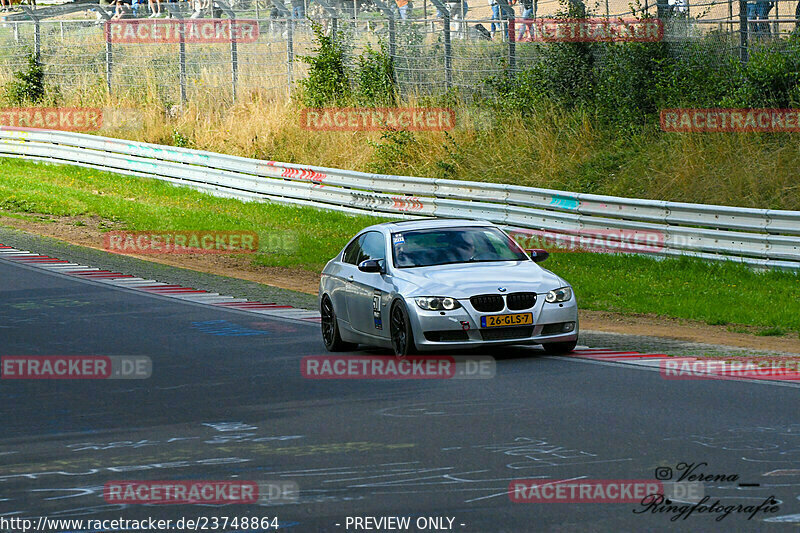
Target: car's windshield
[{"x": 453, "y": 245}]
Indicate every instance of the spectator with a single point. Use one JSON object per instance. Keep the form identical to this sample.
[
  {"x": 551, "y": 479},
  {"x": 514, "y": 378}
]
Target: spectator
[
  {"x": 298, "y": 9},
  {"x": 100, "y": 20},
  {"x": 403, "y": 6},
  {"x": 678, "y": 7},
  {"x": 495, "y": 15},
  {"x": 5, "y": 5},
  {"x": 199, "y": 8},
  {"x": 458, "y": 9},
  {"x": 762, "y": 10},
  {"x": 527, "y": 16},
  {"x": 759, "y": 10},
  {"x": 169, "y": 11},
  {"x": 119, "y": 10},
  {"x": 155, "y": 12}
]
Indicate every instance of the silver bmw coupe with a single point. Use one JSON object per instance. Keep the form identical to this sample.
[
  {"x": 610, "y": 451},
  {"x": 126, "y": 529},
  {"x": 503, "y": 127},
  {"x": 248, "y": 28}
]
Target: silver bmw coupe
[{"x": 435, "y": 284}]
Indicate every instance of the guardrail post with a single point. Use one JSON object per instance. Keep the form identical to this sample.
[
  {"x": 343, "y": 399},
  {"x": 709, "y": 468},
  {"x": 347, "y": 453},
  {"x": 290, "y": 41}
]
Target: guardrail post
[
  {"x": 234, "y": 49},
  {"x": 448, "y": 51},
  {"x": 743, "y": 31}
]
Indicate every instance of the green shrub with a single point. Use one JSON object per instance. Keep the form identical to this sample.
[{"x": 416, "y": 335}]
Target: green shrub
[
  {"x": 27, "y": 86},
  {"x": 375, "y": 78},
  {"x": 327, "y": 82},
  {"x": 770, "y": 78},
  {"x": 625, "y": 94},
  {"x": 392, "y": 155},
  {"x": 698, "y": 78},
  {"x": 625, "y": 85},
  {"x": 180, "y": 140}
]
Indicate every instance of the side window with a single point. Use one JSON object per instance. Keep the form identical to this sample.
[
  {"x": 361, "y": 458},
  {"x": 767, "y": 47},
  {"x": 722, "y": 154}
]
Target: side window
[
  {"x": 373, "y": 246},
  {"x": 353, "y": 252}
]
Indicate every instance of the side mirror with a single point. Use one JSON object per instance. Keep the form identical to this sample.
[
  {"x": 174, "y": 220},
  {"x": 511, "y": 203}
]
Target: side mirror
[
  {"x": 538, "y": 255},
  {"x": 371, "y": 265}
]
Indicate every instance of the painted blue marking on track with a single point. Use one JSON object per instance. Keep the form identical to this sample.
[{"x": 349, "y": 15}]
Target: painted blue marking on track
[{"x": 226, "y": 329}]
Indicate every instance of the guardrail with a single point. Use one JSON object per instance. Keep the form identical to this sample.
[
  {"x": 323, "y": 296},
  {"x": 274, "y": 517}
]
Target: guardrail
[{"x": 758, "y": 237}]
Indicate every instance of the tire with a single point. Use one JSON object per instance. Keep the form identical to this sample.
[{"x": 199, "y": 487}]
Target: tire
[
  {"x": 400, "y": 331},
  {"x": 559, "y": 347},
  {"x": 330, "y": 328}
]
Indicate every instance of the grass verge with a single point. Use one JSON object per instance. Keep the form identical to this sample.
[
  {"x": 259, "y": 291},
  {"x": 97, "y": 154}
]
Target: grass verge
[
  {"x": 150, "y": 205},
  {"x": 716, "y": 293}
]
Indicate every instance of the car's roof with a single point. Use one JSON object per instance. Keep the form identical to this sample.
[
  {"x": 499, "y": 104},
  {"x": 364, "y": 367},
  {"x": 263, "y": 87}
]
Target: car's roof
[{"x": 427, "y": 223}]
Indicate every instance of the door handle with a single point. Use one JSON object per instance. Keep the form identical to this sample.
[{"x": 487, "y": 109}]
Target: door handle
[{"x": 350, "y": 278}]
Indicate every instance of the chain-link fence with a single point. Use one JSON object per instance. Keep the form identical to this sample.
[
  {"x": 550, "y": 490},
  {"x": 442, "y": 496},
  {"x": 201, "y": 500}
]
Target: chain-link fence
[{"x": 209, "y": 48}]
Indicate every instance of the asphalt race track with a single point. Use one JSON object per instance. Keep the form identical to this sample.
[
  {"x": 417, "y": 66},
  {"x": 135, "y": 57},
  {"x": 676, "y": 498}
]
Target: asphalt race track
[{"x": 227, "y": 406}]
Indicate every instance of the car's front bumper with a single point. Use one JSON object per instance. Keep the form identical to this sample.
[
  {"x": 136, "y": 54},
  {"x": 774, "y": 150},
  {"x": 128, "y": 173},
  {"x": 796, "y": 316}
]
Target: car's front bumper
[{"x": 460, "y": 328}]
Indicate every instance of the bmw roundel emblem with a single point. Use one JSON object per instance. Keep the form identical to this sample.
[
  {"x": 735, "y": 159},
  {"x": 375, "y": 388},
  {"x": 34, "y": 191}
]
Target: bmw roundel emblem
[{"x": 501, "y": 289}]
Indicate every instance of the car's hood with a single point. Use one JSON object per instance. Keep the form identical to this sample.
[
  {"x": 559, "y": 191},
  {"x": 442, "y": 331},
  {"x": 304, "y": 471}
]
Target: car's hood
[{"x": 469, "y": 279}]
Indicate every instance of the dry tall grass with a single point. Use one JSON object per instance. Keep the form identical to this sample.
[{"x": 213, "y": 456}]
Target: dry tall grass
[{"x": 554, "y": 149}]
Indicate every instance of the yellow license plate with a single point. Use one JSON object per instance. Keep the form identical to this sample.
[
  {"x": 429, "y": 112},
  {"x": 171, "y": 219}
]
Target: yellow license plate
[{"x": 497, "y": 321}]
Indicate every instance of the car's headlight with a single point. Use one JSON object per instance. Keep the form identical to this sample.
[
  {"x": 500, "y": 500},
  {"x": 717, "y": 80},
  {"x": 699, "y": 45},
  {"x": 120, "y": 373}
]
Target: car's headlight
[
  {"x": 559, "y": 295},
  {"x": 437, "y": 303}
]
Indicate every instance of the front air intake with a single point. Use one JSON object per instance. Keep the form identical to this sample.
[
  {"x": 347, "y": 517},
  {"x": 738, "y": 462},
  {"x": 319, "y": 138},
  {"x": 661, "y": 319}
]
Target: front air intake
[
  {"x": 521, "y": 300},
  {"x": 487, "y": 303}
]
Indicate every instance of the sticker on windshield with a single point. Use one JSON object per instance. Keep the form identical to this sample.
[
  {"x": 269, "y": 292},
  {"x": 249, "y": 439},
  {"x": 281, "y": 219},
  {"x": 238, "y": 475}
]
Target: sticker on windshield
[{"x": 398, "y": 238}]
